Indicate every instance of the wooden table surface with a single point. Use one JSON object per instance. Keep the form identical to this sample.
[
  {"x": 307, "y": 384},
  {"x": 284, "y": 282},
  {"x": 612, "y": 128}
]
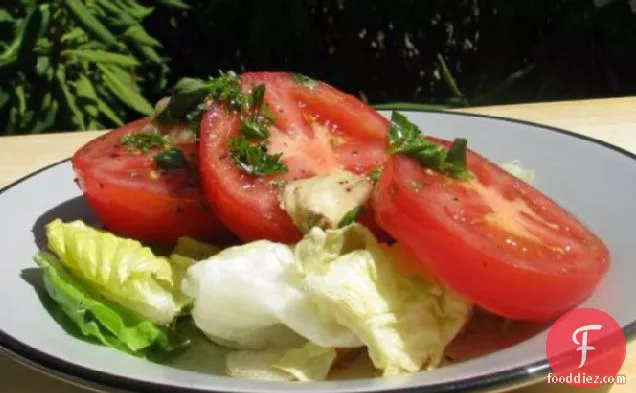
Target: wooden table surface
[{"x": 611, "y": 120}]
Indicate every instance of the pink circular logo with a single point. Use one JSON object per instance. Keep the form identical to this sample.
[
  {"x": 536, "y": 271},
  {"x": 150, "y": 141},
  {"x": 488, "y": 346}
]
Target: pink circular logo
[{"x": 586, "y": 348}]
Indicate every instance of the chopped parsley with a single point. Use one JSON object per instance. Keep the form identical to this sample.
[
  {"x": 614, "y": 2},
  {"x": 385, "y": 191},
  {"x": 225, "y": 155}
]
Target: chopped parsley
[
  {"x": 227, "y": 87},
  {"x": 257, "y": 97},
  {"x": 304, "y": 80},
  {"x": 193, "y": 118},
  {"x": 455, "y": 161},
  {"x": 169, "y": 157},
  {"x": 350, "y": 217},
  {"x": 255, "y": 125},
  {"x": 191, "y": 97},
  {"x": 406, "y": 138},
  {"x": 172, "y": 158},
  {"x": 254, "y": 159},
  {"x": 374, "y": 174},
  {"x": 144, "y": 141},
  {"x": 267, "y": 114},
  {"x": 186, "y": 95},
  {"x": 255, "y": 128}
]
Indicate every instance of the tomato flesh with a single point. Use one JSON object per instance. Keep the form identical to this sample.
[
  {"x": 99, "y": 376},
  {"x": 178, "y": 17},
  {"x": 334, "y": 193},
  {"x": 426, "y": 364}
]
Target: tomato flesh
[
  {"x": 317, "y": 130},
  {"x": 494, "y": 239},
  {"x": 134, "y": 198}
]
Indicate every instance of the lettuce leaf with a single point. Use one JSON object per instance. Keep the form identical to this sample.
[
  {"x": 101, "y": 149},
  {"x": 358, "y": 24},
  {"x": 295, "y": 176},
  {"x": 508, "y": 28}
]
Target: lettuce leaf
[
  {"x": 121, "y": 270},
  {"x": 516, "y": 169},
  {"x": 307, "y": 363},
  {"x": 194, "y": 249},
  {"x": 180, "y": 265},
  {"x": 186, "y": 253},
  {"x": 404, "y": 320},
  {"x": 202, "y": 355},
  {"x": 107, "y": 323},
  {"x": 252, "y": 297}
]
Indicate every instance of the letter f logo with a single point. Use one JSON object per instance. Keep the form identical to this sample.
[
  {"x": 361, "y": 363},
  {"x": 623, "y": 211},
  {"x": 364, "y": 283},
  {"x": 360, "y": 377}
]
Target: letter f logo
[{"x": 583, "y": 344}]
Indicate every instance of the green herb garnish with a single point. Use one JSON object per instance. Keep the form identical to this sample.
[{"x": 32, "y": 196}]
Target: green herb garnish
[
  {"x": 375, "y": 174},
  {"x": 350, "y": 216},
  {"x": 455, "y": 161},
  {"x": 304, "y": 80},
  {"x": 144, "y": 141},
  {"x": 267, "y": 114},
  {"x": 255, "y": 128},
  {"x": 257, "y": 97},
  {"x": 227, "y": 87},
  {"x": 256, "y": 125},
  {"x": 169, "y": 157},
  {"x": 189, "y": 97},
  {"x": 254, "y": 159},
  {"x": 194, "y": 118},
  {"x": 172, "y": 158},
  {"x": 406, "y": 138},
  {"x": 186, "y": 95}
]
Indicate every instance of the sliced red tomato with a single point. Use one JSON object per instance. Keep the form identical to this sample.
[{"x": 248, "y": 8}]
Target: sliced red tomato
[
  {"x": 134, "y": 198},
  {"x": 317, "y": 129},
  {"x": 494, "y": 239}
]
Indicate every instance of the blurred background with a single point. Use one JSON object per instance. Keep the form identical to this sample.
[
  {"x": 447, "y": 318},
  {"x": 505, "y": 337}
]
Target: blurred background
[{"x": 92, "y": 64}]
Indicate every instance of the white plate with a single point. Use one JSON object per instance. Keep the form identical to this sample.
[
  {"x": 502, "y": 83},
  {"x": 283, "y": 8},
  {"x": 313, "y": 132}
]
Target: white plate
[{"x": 593, "y": 180}]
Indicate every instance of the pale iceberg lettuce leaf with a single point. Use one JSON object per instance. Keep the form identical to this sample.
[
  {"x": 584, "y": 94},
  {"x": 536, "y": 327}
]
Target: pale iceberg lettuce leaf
[
  {"x": 251, "y": 297},
  {"x": 516, "y": 169},
  {"x": 186, "y": 253},
  {"x": 307, "y": 363},
  {"x": 404, "y": 320},
  {"x": 100, "y": 320},
  {"x": 323, "y": 201},
  {"x": 256, "y": 364},
  {"x": 121, "y": 270},
  {"x": 202, "y": 355},
  {"x": 180, "y": 265}
]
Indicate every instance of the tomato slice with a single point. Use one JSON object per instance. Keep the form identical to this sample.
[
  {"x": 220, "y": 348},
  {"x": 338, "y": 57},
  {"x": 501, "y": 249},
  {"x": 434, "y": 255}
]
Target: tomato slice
[
  {"x": 317, "y": 129},
  {"x": 134, "y": 198},
  {"x": 494, "y": 239}
]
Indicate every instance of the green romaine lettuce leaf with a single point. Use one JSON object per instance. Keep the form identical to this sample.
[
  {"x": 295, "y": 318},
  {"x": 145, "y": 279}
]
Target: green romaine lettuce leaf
[
  {"x": 100, "y": 320},
  {"x": 121, "y": 270},
  {"x": 404, "y": 320}
]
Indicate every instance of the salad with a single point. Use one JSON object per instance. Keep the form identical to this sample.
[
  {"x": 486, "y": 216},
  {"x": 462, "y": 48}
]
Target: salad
[{"x": 272, "y": 227}]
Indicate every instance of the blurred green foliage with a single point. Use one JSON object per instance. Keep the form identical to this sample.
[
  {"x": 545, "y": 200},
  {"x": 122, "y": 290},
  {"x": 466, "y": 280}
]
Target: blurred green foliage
[
  {"x": 76, "y": 65},
  {"x": 85, "y": 64}
]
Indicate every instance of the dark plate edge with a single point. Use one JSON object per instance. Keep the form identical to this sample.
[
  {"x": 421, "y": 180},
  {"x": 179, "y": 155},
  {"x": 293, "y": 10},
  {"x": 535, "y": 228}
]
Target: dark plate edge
[
  {"x": 505, "y": 379},
  {"x": 30, "y": 175}
]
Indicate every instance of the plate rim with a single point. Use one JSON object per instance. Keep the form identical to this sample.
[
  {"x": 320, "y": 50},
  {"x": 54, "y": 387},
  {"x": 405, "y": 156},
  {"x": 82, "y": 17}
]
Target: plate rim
[{"x": 73, "y": 373}]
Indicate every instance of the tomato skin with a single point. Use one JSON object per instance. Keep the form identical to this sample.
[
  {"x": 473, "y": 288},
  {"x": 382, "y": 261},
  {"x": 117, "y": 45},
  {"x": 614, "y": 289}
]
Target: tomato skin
[
  {"x": 248, "y": 205},
  {"x": 503, "y": 273},
  {"x": 156, "y": 210},
  {"x": 243, "y": 216}
]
